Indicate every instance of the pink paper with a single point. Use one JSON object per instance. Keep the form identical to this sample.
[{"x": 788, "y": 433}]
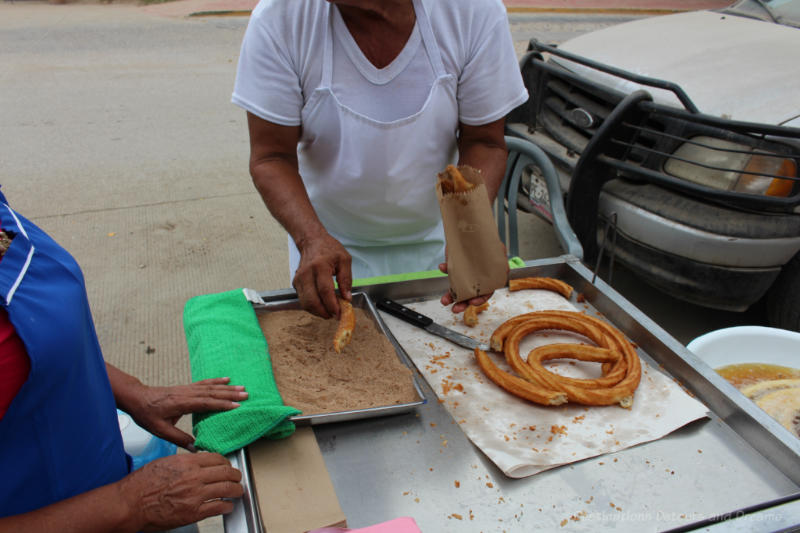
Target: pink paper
[{"x": 404, "y": 524}]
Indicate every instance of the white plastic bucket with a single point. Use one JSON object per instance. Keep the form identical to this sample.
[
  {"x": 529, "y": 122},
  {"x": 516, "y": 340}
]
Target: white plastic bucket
[
  {"x": 141, "y": 445},
  {"x": 748, "y": 344}
]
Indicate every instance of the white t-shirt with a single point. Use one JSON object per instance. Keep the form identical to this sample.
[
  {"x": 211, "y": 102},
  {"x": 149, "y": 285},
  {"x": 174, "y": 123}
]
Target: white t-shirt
[{"x": 281, "y": 63}]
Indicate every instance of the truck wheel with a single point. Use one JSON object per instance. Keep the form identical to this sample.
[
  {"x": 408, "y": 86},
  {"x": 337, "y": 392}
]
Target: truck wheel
[{"x": 783, "y": 304}]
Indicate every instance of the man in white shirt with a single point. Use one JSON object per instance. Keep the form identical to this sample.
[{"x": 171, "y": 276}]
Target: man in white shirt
[{"x": 353, "y": 108}]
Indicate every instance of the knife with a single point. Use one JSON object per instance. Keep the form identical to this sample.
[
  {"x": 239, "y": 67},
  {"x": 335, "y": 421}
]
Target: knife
[{"x": 421, "y": 321}]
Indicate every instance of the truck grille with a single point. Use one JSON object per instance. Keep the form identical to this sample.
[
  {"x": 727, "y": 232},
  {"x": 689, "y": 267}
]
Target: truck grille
[{"x": 639, "y": 139}]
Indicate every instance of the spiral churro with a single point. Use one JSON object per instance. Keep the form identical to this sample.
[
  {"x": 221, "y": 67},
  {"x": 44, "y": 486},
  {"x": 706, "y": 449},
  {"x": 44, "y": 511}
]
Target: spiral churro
[{"x": 621, "y": 367}]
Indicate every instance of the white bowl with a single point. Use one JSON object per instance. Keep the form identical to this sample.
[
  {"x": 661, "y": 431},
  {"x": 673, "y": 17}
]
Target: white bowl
[{"x": 748, "y": 344}]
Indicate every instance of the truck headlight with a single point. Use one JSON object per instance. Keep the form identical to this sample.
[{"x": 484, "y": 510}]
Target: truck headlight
[{"x": 726, "y": 165}]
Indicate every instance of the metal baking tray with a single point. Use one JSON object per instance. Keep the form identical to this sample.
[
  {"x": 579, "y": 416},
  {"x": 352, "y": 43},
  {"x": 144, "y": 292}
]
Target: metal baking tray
[
  {"x": 737, "y": 470},
  {"x": 360, "y": 300}
]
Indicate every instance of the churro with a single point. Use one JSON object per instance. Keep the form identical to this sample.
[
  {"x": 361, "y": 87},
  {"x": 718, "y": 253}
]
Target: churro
[
  {"x": 453, "y": 181},
  {"x": 621, "y": 368},
  {"x": 347, "y": 322},
  {"x": 550, "y": 284},
  {"x": 471, "y": 313}
]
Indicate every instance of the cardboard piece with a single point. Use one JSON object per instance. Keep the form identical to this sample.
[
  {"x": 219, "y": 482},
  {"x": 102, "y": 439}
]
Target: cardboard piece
[
  {"x": 476, "y": 258},
  {"x": 292, "y": 486}
]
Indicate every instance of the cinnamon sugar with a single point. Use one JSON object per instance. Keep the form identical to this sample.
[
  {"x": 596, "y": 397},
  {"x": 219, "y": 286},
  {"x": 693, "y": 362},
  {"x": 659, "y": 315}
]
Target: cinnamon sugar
[{"x": 312, "y": 377}]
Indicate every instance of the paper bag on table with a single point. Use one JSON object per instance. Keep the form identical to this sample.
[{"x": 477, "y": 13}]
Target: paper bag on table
[
  {"x": 292, "y": 485},
  {"x": 476, "y": 259}
]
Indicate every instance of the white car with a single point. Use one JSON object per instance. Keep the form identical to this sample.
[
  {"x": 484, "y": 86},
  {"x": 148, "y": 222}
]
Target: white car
[{"x": 681, "y": 133}]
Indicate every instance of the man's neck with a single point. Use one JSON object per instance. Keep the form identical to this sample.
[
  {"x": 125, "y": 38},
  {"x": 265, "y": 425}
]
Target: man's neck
[{"x": 381, "y": 29}]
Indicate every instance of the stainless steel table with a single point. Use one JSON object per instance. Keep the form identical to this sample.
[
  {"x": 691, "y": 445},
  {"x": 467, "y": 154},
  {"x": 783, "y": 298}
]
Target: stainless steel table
[{"x": 737, "y": 470}]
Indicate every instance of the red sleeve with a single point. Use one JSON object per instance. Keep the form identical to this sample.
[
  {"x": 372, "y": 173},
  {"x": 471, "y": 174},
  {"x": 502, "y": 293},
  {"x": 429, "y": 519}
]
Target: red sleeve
[{"x": 14, "y": 363}]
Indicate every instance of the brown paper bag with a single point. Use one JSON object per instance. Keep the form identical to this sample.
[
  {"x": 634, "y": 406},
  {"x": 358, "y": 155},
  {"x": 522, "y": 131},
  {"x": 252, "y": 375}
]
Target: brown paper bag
[
  {"x": 476, "y": 259},
  {"x": 294, "y": 491}
]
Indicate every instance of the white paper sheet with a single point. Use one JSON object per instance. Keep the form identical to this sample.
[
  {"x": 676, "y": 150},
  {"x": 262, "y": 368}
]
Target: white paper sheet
[{"x": 520, "y": 437}]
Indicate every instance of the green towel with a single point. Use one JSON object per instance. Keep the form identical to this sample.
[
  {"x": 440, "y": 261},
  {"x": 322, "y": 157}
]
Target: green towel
[
  {"x": 225, "y": 340},
  {"x": 514, "y": 262}
]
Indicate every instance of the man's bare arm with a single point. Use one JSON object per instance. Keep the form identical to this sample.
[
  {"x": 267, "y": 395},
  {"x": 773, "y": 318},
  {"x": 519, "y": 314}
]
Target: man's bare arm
[
  {"x": 274, "y": 169},
  {"x": 484, "y": 147}
]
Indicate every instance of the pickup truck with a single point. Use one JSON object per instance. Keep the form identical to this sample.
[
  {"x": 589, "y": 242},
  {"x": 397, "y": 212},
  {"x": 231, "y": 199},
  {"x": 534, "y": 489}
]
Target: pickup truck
[{"x": 677, "y": 143}]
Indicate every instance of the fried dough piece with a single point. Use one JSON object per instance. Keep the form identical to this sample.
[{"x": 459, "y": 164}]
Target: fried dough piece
[
  {"x": 621, "y": 366},
  {"x": 453, "y": 180},
  {"x": 784, "y": 406},
  {"x": 516, "y": 386},
  {"x": 347, "y": 322},
  {"x": 762, "y": 388},
  {"x": 581, "y": 352},
  {"x": 447, "y": 185},
  {"x": 549, "y": 284},
  {"x": 471, "y": 313}
]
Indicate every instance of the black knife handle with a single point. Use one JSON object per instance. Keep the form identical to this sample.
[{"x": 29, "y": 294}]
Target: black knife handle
[{"x": 404, "y": 313}]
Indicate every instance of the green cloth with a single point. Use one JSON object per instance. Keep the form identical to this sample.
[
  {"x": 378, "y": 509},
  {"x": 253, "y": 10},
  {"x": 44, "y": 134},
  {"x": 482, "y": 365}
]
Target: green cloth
[
  {"x": 225, "y": 340},
  {"x": 514, "y": 262}
]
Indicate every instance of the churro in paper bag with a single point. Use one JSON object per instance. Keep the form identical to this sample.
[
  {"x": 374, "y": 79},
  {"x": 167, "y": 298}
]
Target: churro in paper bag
[{"x": 476, "y": 258}]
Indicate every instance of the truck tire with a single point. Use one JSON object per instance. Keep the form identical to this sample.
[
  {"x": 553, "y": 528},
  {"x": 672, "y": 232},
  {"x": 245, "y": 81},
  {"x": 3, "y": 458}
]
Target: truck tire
[{"x": 783, "y": 298}]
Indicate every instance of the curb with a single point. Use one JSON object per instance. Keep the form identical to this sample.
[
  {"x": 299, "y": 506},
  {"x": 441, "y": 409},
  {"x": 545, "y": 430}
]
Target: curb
[
  {"x": 596, "y": 10},
  {"x": 577, "y": 10},
  {"x": 229, "y": 13}
]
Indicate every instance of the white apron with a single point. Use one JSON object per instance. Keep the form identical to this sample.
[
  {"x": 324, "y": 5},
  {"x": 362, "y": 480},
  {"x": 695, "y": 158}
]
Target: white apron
[{"x": 372, "y": 183}]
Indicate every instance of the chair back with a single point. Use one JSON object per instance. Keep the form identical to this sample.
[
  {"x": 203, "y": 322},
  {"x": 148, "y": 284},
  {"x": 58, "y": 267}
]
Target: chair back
[{"x": 523, "y": 156}]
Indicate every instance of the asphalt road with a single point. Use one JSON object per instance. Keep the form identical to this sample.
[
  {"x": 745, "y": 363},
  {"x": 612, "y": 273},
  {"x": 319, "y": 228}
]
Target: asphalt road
[{"x": 120, "y": 140}]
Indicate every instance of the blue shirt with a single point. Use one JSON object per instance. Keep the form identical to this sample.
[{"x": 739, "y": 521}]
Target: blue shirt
[{"x": 60, "y": 436}]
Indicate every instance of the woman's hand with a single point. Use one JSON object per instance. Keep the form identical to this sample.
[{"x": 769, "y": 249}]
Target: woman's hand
[
  {"x": 158, "y": 409},
  {"x": 166, "y": 493},
  {"x": 180, "y": 489}
]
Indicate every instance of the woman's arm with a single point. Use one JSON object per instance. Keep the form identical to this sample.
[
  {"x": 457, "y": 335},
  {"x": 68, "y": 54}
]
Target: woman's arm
[
  {"x": 158, "y": 409},
  {"x": 166, "y": 493},
  {"x": 274, "y": 169}
]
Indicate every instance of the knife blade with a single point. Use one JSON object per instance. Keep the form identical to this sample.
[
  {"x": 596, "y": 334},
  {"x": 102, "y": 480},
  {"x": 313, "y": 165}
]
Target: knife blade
[{"x": 421, "y": 321}]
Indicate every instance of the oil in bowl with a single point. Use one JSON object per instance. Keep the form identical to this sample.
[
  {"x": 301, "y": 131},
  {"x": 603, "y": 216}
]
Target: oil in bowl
[{"x": 744, "y": 374}]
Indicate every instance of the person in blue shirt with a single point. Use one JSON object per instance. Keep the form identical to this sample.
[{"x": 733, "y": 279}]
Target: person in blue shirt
[{"x": 63, "y": 466}]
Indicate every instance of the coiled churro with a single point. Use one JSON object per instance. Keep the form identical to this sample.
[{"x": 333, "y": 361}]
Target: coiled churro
[{"x": 621, "y": 367}]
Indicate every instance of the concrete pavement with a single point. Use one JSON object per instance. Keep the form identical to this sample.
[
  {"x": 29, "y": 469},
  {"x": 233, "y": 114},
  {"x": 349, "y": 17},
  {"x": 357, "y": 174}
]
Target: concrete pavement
[{"x": 184, "y": 8}]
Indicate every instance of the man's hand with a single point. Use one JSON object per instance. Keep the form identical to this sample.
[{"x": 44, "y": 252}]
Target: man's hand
[
  {"x": 158, "y": 409},
  {"x": 180, "y": 489},
  {"x": 322, "y": 259},
  {"x": 275, "y": 172},
  {"x": 482, "y": 147},
  {"x": 459, "y": 307}
]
